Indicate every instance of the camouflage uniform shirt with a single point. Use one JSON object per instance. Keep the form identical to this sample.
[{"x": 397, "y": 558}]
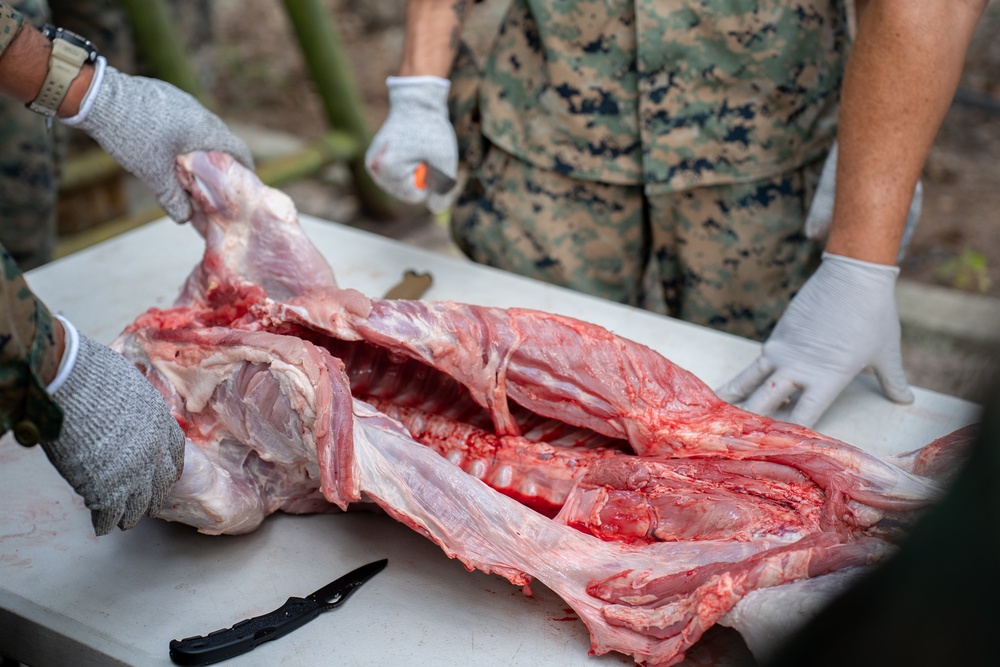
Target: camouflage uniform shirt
[
  {"x": 674, "y": 94},
  {"x": 10, "y": 23},
  {"x": 25, "y": 332}
]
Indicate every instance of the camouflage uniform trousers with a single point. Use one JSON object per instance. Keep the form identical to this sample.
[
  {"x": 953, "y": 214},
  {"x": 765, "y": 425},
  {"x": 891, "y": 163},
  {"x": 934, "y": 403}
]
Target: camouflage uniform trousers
[{"x": 725, "y": 256}]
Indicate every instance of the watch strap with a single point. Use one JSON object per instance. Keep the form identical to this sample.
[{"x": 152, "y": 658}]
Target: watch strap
[
  {"x": 64, "y": 66},
  {"x": 69, "y": 52}
]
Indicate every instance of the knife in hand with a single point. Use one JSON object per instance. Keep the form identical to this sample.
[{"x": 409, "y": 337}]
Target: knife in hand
[
  {"x": 428, "y": 177},
  {"x": 251, "y": 633}
]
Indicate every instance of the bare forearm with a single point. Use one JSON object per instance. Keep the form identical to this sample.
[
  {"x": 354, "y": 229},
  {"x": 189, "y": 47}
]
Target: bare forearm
[
  {"x": 901, "y": 77},
  {"x": 23, "y": 67},
  {"x": 431, "y": 39}
]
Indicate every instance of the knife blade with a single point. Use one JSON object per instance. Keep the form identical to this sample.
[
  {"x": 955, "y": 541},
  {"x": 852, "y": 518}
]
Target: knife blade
[
  {"x": 252, "y": 632},
  {"x": 428, "y": 177}
]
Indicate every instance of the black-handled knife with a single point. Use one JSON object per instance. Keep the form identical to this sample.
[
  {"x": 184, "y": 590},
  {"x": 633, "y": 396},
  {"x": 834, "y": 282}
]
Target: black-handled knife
[{"x": 251, "y": 633}]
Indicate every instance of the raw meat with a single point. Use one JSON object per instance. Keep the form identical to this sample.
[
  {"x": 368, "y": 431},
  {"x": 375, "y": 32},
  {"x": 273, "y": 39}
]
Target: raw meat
[{"x": 523, "y": 443}]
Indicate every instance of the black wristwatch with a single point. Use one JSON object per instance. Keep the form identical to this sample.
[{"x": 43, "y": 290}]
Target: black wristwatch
[{"x": 69, "y": 54}]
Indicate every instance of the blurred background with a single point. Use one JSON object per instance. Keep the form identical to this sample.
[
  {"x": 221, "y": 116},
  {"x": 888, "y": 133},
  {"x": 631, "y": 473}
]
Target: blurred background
[{"x": 304, "y": 84}]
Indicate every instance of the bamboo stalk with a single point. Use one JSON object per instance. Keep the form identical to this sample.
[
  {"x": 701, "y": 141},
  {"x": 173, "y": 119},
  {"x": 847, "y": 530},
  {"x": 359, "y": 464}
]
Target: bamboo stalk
[
  {"x": 333, "y": 147},
  {"x": 160, "y": 42},
  {"x": 331, "y": 73}
]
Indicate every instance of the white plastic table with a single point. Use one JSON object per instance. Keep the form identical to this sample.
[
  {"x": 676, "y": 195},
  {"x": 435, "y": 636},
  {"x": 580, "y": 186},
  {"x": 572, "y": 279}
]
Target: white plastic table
[{"x": 69, "y": 598}]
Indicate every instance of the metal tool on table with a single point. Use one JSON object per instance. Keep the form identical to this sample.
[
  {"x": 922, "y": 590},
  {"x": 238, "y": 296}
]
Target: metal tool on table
[
  {"x": 251, "y": 633},
  {"x": 412, "y": 286}
]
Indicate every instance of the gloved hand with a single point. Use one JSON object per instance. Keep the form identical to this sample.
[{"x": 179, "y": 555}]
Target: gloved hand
[
  {"x": 119, "y": 447},
  {"x": 843, "y": 319},
  {"x": 144, "y": 124},
  {"x": 820, "y": 215},
  {"x": 417, "y": 131}
]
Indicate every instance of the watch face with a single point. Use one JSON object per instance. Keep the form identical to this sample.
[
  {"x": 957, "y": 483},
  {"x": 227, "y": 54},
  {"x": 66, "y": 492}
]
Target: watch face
[{"x": 53, "y": 33}]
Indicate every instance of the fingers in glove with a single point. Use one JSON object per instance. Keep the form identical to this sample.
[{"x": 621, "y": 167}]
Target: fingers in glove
[
  {"x": 889, "y": 371},
  {"x": 224, "y": 141},
  {"x": 115, "y": 510},
  {"x": 105, "y": 515},
  {"x": 166, "y": 473},
  {"x": 213, "y": 135},
  {"x": 104, "y": 521},
  {"x": 814, "y": 401},
  {"x": 398, "y": 178},
  {"x": 177, "y": 204},
  {"x": 146, "y": 499},
  {"x": 119, "y": 446},
  {"x": 136, "y": 507},
  {"x": 774, "y": 392},
  {"x": 144, "y": 124},
  {"x": 749, "y": 379}
]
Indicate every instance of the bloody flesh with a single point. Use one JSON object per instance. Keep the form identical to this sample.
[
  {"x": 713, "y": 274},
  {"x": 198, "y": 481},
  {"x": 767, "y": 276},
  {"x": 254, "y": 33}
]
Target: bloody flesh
[{"x": 659, "y": 506}]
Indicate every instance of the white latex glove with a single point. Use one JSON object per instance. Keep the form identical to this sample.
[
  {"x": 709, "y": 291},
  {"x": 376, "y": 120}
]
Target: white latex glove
[
  {"x": 119, "y": 446},
  {"x": 843, "y": 319},
  {"x": 417, "y": 134},
  {"x": 144, "y": 124},
  {"x": 820, "y": 215}
]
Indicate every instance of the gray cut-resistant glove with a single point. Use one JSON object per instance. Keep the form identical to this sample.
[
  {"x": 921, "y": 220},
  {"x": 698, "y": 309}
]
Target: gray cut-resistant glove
[
  {"x": 144, "y": 124},
  {"x": 820, "y": 215},
  {"x": 416, "y": 132},
  {"x": 843, "y": 319},
  {"x": 119, "y": 446}
]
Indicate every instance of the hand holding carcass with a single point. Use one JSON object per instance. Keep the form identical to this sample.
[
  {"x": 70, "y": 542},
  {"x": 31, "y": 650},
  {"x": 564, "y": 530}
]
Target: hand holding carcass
[
  {"x": 119, "y": 447},
  {"x": 842, "y": 320},
  {"x": 144, "y": 124},
  {"x": 416, "y": 138}
]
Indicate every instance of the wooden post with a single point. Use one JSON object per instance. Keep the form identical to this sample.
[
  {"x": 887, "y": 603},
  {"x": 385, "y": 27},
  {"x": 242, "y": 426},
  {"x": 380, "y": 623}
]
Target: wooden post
[{"x": 335, "y": 83}]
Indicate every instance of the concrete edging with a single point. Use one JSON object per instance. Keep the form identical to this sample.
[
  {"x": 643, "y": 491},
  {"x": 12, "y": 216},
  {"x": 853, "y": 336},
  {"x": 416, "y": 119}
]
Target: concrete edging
[{"x": 949, "y": 312}]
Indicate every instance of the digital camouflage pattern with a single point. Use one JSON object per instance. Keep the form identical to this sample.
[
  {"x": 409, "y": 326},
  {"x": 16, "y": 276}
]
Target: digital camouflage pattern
[
  {"x": 10, "y": 23},
  {"x": 731, "y": 256},
  {"x": 560, "y": 88},
  {"x": 673, "y": 94},
  {"x": 26, "y": 356},
  {"x": 656, "y": 153},
  {"x": 726, "y": 256}
]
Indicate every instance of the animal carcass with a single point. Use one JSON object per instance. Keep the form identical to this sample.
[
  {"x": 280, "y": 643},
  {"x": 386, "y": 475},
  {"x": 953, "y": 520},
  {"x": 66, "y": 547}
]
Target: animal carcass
[{"x": 523, "y": 443}]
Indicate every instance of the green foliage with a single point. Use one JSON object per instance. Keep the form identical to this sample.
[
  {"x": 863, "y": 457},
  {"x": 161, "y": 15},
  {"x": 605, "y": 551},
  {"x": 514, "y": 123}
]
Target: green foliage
[{"x": 968, "y": 271}]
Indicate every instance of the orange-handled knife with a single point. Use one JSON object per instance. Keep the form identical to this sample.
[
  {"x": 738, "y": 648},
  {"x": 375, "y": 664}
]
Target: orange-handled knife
[{"x": 427, "y": 177}]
